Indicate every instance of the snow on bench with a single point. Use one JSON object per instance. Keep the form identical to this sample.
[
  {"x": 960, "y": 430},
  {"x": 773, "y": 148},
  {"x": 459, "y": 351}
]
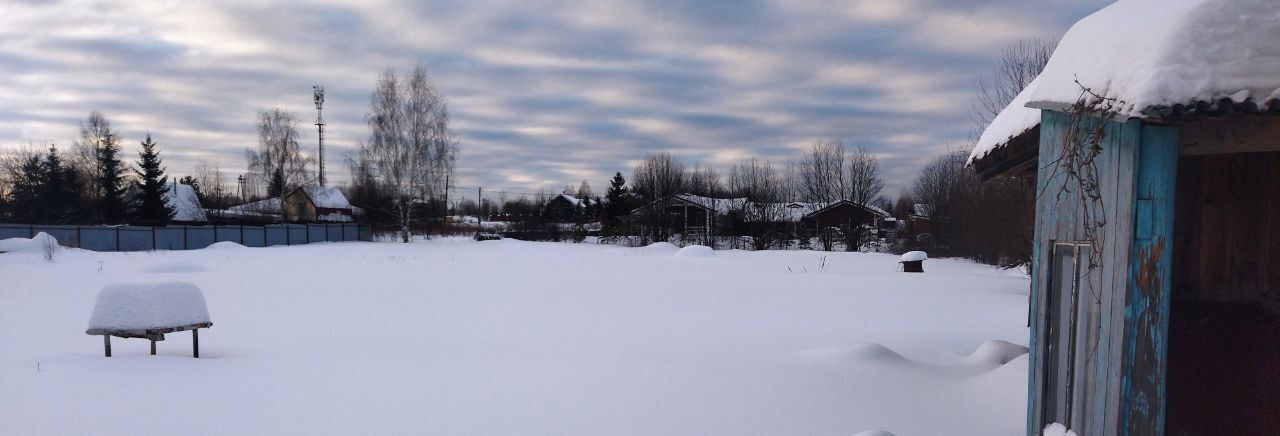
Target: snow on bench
[{"x": 149, "y": 310}]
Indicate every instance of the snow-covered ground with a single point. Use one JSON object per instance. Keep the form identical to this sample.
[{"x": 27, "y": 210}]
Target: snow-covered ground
[{"x": 508, "y": 337}]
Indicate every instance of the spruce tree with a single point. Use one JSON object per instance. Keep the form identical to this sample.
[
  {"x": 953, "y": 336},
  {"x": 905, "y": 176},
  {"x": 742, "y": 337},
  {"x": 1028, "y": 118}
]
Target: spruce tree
[
  {"x": 27, "y": 191},
  {"x": 151, "y": 185},
  {"x": 111, "y": 187},
  {"x": 617, "y": 199},
  {"x": 59, "y": 193}
]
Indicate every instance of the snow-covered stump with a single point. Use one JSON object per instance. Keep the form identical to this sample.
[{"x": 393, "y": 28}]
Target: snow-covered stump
[
  {"x": 913, "y": 261},
  {"x": 149, "y": 310}
]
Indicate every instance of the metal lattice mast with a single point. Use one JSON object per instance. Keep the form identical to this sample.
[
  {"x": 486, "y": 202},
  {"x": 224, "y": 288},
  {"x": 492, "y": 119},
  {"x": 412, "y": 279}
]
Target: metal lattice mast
[{"x": 318, "y": 94}]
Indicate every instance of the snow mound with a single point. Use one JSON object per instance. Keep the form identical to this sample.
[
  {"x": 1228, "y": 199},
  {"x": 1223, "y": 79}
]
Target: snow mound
[
  {"x": 661, "y": 246},
  {"x": 36, "y": 244},
  {"x": 1057, "y": 429},
  {"x": 224, "y": 245},
  {"x": 914, "y": 256},
  {"x": 876, "y": 432},
  {"x": 175, "y": 267},
  {"x": 135, "y": 306},
  {"x": 875, "y": 352},
  {"x": 995, "y": 353},
  {"x": 695, "y": 252}
]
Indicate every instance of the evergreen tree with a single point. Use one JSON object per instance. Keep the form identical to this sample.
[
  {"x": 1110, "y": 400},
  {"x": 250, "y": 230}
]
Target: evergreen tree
[
  {"x": 27, "y": 190},
  {"x": 152, "y": 184},
  {"x": 59, "y": 191},
  {"x": 111, "y": 187},
  {"x": 617, "y": 199}
]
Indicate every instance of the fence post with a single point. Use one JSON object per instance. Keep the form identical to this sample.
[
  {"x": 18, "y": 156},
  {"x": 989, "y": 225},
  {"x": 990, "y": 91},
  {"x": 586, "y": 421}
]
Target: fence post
[
  {"x": 153, "y": 238},
  {"x": 185, "y": 244},
  {"x": 33, "y": 230},
  {"x": 242, "y": 234},
  {"x": 117, "y": 238}
]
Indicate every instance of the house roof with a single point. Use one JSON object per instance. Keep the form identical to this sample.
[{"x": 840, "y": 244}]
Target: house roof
[
  {"x": 834, "y": 204},
  {"x": 720, "y": 206},
  {"x": 1152, "y": 57},
  {"x": 1176, "y": 59},
  {"x": 326, "y": 197},
  {"x": 185, "y": 203},
  {"x": 575, "y": 201}
]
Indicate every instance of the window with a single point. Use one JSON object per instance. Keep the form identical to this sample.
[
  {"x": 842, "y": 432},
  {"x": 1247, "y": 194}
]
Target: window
[{"x": 1071, "y": 335}]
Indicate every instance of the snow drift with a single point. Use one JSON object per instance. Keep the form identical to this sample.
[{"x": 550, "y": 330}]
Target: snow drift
[
  {"x": 38, "y": 244},
  {"x": 695, "y": 252}
]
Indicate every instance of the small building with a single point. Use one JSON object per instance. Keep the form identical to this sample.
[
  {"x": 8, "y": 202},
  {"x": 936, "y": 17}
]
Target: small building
[
  {"x": 318, "y": 203},
  {"x": 844, "y": 215},
  {"x": 1154, "y": 138},
  {"x": 687, "y": 214},
  {"x": 565, "y": 208},
  {"x": 185, "y": 203}
]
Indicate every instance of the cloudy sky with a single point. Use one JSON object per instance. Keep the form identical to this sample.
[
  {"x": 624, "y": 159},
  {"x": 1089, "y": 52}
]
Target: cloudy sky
[{"x": 542, "y": 94}]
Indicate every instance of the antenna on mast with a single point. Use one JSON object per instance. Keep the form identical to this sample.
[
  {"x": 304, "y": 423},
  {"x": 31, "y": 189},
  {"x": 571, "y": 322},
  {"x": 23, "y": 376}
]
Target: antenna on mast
[{"x": 318, "y": 96}]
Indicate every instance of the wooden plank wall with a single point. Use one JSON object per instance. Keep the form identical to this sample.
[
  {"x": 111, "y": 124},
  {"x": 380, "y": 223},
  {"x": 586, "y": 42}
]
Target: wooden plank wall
[
  {"x": 1147, "y": 304},
  {"x": 1058, "y": 219}
]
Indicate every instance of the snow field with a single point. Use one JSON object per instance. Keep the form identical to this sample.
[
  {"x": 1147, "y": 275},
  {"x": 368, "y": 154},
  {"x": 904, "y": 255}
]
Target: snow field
[{"x": 509, "y": 337}]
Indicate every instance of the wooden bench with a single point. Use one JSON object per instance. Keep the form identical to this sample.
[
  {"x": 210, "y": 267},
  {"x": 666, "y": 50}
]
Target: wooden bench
[{"x": 155, "y": 334}]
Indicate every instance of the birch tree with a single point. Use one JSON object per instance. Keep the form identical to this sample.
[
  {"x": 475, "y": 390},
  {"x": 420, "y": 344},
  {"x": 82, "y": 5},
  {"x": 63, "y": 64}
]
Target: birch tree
[
  {"x": 278, "y": 161},
  {"x": 410, "y": 149}
]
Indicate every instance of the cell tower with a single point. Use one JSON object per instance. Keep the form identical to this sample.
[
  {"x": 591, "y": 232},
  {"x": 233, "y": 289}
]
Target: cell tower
[{"x": 318, "y": 93}]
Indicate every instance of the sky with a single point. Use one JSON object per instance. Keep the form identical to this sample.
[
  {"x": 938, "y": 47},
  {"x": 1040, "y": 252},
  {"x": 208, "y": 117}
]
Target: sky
[{"x": 541, "y": 94}]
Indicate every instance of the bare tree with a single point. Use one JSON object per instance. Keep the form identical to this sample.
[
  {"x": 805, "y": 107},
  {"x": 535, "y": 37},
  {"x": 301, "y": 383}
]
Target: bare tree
[
  {"x": 659, "y": 175},
  {"x": 765, "y": 214},
  {"x": 95, "y": 133},
  {"x": 278, "y": 162},
  {"x": 703, "y": 180},
  {"x": 410, "y": 149},
  {"x": 213, "y": 184},
  {"x": 1020, "y": 63},
  {"x": 821, "y": 173},
  {"x": 584, "y": 190},
  {"x": 865, "y": 187}
]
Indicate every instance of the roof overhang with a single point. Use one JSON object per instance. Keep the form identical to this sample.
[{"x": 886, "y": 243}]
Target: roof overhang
[{"x": 1016, "y": 158}]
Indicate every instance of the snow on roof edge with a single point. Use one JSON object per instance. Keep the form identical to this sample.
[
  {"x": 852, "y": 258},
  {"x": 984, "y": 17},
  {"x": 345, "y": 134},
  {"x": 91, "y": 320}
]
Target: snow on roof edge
[{"x": 1014, "y": 120}]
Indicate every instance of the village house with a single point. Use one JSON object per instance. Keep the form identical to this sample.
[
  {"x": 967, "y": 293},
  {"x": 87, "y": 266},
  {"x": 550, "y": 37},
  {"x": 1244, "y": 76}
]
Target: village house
[
  {"x": 1153, "y": 135},
  {"x": 565, "y": 208}
]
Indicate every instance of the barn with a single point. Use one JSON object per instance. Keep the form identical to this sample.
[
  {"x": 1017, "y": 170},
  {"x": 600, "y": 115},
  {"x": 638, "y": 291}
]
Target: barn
[{"x": 1153, "y": 135}]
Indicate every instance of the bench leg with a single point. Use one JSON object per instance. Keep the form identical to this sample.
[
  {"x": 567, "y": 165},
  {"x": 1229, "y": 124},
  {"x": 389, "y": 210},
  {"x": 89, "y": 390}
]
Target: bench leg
[
  {"x": 106, "y": 342},
  {"x": 195, "y": 342},
  {"x": 153, "y": 347}
]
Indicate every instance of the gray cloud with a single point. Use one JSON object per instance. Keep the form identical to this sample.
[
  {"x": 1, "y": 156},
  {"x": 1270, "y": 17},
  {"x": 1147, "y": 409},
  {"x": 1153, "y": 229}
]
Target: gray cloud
[{"x": 542, "y": 94}]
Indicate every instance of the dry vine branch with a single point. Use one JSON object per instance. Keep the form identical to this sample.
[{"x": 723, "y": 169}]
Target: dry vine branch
[{"x": 1081, "y": 144}]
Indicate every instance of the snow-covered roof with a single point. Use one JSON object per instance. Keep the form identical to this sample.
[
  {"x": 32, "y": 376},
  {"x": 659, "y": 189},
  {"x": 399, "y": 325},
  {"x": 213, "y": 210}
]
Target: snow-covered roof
[
  {"x": 1148, "y": 55},
  {"x": 818, "y": 207},
  {"x": 577, "y": 202},
  {"x": 1013, "y": 121},
  {"x": 1151, "y": 57},
  {"x": 721, "y": 205},
  {"x": 269, "y": 206},
  {"x": 185, "y": 203},
  {"x": 327, "y": 197},
  {"x": 922, "y": 209}
]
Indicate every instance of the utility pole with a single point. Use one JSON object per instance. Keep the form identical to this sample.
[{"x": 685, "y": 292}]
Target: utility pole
[
  {"x": 446, "y": 195},
  {"x": 318, "y": 96},
  {"x": 479, "y": 202}
]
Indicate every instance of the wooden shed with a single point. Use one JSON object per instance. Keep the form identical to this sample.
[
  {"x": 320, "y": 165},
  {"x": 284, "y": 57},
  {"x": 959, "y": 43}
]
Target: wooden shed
[
  {"x": 1155, "y": 301},
  {"x": 318, "y": 203}
]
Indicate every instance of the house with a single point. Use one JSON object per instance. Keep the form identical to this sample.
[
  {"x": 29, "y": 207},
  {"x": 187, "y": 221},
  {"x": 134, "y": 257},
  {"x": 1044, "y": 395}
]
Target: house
[
  {"x": 318, "y": 203},
  {"x": 849, "y": 218},
  {"x": 184, "y": 202},
  {"x": 1154, "y": 137},
  {"x": 565, "y": 208},
  {"x": 687, "y": 214}
]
